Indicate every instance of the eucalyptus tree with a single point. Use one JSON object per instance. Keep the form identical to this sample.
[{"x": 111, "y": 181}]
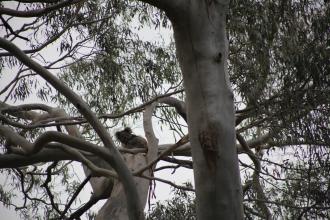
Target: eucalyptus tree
[
  {"x": 201, "y": 44},
  {"x": 275, "y": 54}
]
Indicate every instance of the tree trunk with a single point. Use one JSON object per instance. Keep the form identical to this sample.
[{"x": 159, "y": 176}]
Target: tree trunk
[
  {"x": 201, "y": 42},
  {"x": 116, "y": 206}
]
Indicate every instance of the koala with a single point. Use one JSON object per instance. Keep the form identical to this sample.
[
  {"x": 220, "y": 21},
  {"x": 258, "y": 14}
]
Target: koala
[{"x": 130, "y": 140}]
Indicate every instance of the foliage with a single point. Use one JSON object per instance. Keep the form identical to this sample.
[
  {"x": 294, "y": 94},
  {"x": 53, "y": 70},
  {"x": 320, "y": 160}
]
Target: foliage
[
  {"x": 279, "y": 69},
  {"x": 181, "y": 206},
  {"x": 306, "y": 188}
]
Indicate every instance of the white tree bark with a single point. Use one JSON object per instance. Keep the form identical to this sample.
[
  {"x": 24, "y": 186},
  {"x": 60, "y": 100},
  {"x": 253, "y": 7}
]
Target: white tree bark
[
  {"x": 201, "y": 43},
  {"x": 116, "y": 206}
]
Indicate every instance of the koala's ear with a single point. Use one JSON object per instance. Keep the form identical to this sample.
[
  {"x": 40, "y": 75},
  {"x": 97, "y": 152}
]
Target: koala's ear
[{"x": 128, "y": 129}]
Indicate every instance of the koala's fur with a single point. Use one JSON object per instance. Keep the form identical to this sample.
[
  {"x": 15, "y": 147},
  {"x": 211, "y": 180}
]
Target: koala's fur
[{"x": 130, "y": 140}]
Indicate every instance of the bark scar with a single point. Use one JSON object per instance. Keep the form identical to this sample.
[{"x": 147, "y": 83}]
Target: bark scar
[
  {"x": 218, "y": 58},
  {"x": 208, "y": 141}
]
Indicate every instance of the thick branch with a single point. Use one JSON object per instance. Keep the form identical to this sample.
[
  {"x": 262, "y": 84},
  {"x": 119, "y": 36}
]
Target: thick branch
[
  {"x": 15, "y": 139},
  {"x": 30, "y": 115},
  {"x": 135, "y": 211},
  {"x": 37, "y": 12},
  {"x": 253, "y": 143},
  {"x": 149, "y": 132},
  {"x": 179, "y": 106},
  {"x": 45, "y": 155},
  {"x": 169, "y": 6},
  {"x": 96, "y": 171}
]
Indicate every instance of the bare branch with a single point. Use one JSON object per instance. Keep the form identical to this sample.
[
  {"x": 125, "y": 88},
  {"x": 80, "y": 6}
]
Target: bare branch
[
  {"x": 11, "y": 30},
  {"x": 179, "y": 106},
  {"x": 183, "y": 163},
  {"x": 38, "y": 12},
  {"x": 166, "y": 152},
  {"x": 142, "y": 106},
  {"x": 74, "y": 196},
  {"x": 171, "y": 7},
  {"x": 96, "y": 171},
  {"x": 45, "y": 155},
  {"x": 149, "y": 132},
  {"x": 134, "y": 208},
  {"x": 15, "y": 139},
  {"x": 14, "y": 82},
  {"x": 76, "y": 215},
  {"x": 66, "y": 120},
  {"x": 256, "y": 181},
  {"x": 30, "y": 115},
  {"x": 169, "y": 183},
  {"x": 45, "y": 185},
  {"x": 253, "y": 143},
  {"x": 42, "y": 46}
]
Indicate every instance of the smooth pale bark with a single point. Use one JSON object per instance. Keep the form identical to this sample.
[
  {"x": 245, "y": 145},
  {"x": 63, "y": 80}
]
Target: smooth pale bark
[
  {"x": 201, "y": 43},
  {"x": 116, "y": 206}
]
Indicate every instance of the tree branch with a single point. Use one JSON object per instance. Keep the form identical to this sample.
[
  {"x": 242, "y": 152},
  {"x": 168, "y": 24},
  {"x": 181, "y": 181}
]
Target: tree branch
[
  {"x": 169, "y": 183},
  {"x": 165, "y": 5},
  {"x": 183, "y": 163},
  {"x": 45, "y": 155},
  {"x": 48, "y": 42},
  {"x": 37, "y": 12},
  {"x": 149, "y": 132},
  {"x": 74, "y": 196},
  {"x": 179, "y": 106},
  {"x": 260, "y": 193},
  {"x": 164, "y": 153},
  {"x": 96, "y": 171},
  {"x": 134, "y": 209},
  {"x": 45, "y": 185},
  {"x": 5, "y": 23}
]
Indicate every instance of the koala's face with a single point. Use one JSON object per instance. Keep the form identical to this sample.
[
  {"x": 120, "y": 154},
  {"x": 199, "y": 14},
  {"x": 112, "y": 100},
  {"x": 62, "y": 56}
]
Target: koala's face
[{"x": 124, "y": 136}]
